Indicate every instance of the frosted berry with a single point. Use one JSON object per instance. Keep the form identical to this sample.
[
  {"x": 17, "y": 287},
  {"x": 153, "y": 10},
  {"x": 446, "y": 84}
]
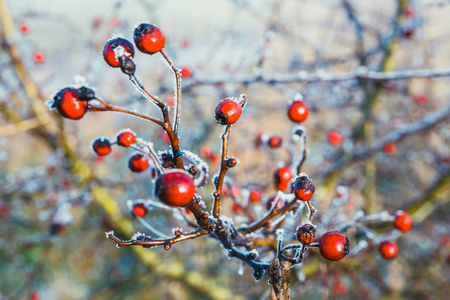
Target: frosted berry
[
  {"x": 333, "y": 246},
  {"x": 334, "y": 138},
  {"x": 126, "y": 138},
  {"x": 303, "y": 187},
  {"x": 403, "y": 221},
  {"x": 228, "y": 112},
  {"x": 275, "y": 142},
  {"x": 255, "y": 195},
  {"x": 186, "y": 72},
  {"x": 140, "y": 210},
  {"x": 115, "y": 48},
  {"x": 69, "y": 103},
  {"x": 390, "y": 149},
  {"x": 149, "y": 38},
  {"x": 388, "y": 250},
  {"x": 306, "y": 234},
  {"x": 101, "y": 146},
  {"x": 175, "y": 188},
  {"x": 282, "y": 178},
  {"x": 138, "y": 163},
  {"x": 297, "y": 111}
]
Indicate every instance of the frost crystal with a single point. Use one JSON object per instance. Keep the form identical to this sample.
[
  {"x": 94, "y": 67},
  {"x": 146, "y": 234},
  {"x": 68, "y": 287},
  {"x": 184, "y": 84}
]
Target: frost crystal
[
  {"x": 108, "y": 233},
  {"x": 280, "y": 235}
]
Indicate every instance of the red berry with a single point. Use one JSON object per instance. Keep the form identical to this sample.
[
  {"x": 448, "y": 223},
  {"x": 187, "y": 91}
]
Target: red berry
[
  {"x": 390, "y": 149},
  {"x": 275, "y": 142},
  {"x": 170, "y": 100},
  {"x": 149, "y": 38},
  {"x": 282, "y": 178},
  {"x": 297, "y": 111},
  {"x": 255, "y": 195},
  {"x": 69, "y": 104},
  {"x": 237, "y": 209},
  {"x": 339, "y": 288},
  {"x": 421, "y": 98},
  {"x": 269, "y": 203},
  {"x": 24, "y": 28},
  {"x": 39, "y": 57},
  {"x": 333, "y": 246},
  {"x": 228, "y": 111},
  {"x": 205, "y": 151},
  {"x": 175, "y": 188},
  {"x": 126, "y": 138},
  {"x": 303, "y": 187},
  {"x": 138, "y": 163},
  {"x": 115, "y": 48},
  {"x": 410, "y": 12},
  {"x": 101, "y": 146},
  {"x": 388, "y": 250},
  {"x": 306, "y": 234},
  {"x": 140, "y": 210},
  {"x": 334, "y": 138},
  {"x": 35, "y": 296},
  {"x": 403, "y": 221},
  {"x": 186, "y": 72},
  {"x": 165, "y": 137}
]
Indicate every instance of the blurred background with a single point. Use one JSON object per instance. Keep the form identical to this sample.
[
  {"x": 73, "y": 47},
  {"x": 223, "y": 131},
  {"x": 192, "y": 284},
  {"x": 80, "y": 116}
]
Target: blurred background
[{"x": 386, "y": 140}]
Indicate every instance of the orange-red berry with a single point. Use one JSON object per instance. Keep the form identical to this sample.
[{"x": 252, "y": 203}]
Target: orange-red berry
[
  {"x": 334, "y": 138},
  {"x": 254, "y": 195},
  {"x": 39, "y": 57},
  {"x": 390, "y": 149},
  {"x": 275, "y": 141},
  {"x": 138, "y": 163},
  {"x": 140, "y": 210},
  {"x": 388, "y": 250},
  {"x": 186, "y": 72},
  {"x": 101, "y": 146},
  {"x": 126, "y": 138},
  {"x": 228, "y": 112},
  {"x": 175, "y": 188},
  {"x": 35, "y": 296},
  {"x": 297, "y": 111},
  {"x": 403, "y": 221},
  {"x": 115, "y": 48},
  {"x": 149, "y": 38},
  {"x": 421, "y": 98},
  {"x": 333, "y": 246},
  {"x": 69, "y": 103},
  {"x": 303, "y": 187},
  {"x": 282, "y": 177}
]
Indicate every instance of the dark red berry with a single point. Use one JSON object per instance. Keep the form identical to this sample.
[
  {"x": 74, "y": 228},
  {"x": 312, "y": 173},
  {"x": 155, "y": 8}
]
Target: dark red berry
[
  {"x": 275, "y": 142},
  {"x": 403, "y": 221},
  {"x": 101, "y": 146},
  {"x": 175, "y": 188},
  {"x": 186, "y": 72},
  {"x": 138, "y": 163},
  {"x": 303, "y": 187},
  {"x": 271, "y": 201},
  {"x": 254, "y": 195},
  {"x": 69, "y": 104},
  {"x": 388, "y": 250},
  {"x": 140, "y": 210},
  {"x": 297, "y": 111},
  {"x": 126, "y": 138},
  {"x": 306, "y": 234},
  {"x": 149, "y": 38},
  {"x": 282, "y": 178},
  {"x": 115, "y": 48},
  {"x": 334, "y": 138},
  {"x": 228, "y": 112},
  {"x": 333, "y": 246},
  {"x": 390, "y": 149}
]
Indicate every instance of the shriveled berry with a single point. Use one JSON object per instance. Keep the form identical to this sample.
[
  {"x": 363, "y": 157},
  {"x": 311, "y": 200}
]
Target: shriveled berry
[
  {"x": 101, "y": 146},
  {"x": 388, "y": 250},
  {"x": 69, "y": 104},
  {"x": 275, "y": 142},
  {"x": 140, "y": 210},
  {"x": 149, "y": 38},
  {"x": 297, "y": 111},
  {"x": 403, "y": 221},
  {"x": 254, "y": 195},
  {"x": 333, "y": 246},
  {"x": 126, "y": 138},
  {"x": 306, "y": 234},
  {"x": 138, "y": 163},
  {"x": 175, "y": 188},
  {"x": 228, "y": 112},
  {"x": 115, "y": 48},
  {"x": 282, "y": 178},
  {"x": 303, "y": 187},
  {"x": 334, "y": 138}
]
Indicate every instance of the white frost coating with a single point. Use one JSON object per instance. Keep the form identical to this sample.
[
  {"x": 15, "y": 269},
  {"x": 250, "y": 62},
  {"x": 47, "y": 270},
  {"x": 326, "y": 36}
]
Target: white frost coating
[
  {"x": 362, "y": 244},
  {"x": 298, "y": 96},
  {"x": 241, "y": 269},
  {"x": 136, "y": 235},
  {"x": 280, "y": 235},
  {"x": 63, "y": 215},
  {"x": 117, "y": 246},
  {"x": 50, "y": 103},
  {"x": 108, "y": 233},
  {"x": 202, "y": 167},
  {"x": 254, "y": 253},
  {"x": 175, "y": 229},
  {"x": 227, "y": 219},
  {"x": 300, "y": 274},
  {"x": 79, "y": 81}
]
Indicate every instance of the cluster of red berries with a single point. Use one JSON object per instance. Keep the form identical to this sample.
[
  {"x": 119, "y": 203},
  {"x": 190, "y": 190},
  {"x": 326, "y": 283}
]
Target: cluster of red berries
[{"x": 402, "y": 222}]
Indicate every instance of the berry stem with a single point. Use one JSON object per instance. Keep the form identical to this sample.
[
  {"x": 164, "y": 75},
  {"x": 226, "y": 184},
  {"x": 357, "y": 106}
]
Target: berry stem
[
  {"x": 312, "y": 210},
  {"x": 223, "y": 169},
  {"x": 144, "y": 91},
  {"x": 178, "y": 92}
]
